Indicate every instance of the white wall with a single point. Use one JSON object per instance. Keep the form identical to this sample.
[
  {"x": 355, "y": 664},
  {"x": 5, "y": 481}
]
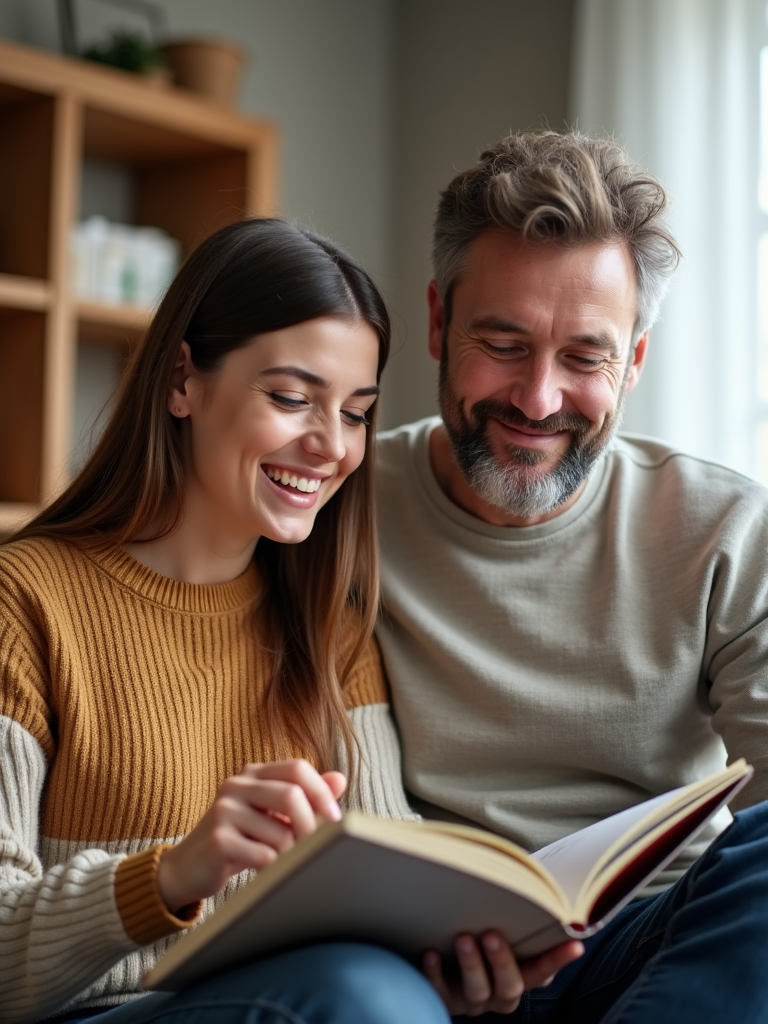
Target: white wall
[{"x": 467, "y": 73}]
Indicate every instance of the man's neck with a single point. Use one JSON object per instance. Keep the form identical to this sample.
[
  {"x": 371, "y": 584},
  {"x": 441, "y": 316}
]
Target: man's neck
[{"x": 455, "y": 487}]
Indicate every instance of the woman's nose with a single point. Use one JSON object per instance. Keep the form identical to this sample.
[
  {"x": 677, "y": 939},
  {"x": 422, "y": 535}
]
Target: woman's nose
[{"x": 326, "y": 441}]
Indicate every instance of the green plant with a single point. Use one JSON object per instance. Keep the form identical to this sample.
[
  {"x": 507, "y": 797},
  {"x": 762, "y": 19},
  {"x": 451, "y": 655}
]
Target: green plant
[{"x": 127, "y": 50}]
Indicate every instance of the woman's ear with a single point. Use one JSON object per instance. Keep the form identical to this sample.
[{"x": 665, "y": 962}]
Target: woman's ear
[{"x": 178, "y": 392}]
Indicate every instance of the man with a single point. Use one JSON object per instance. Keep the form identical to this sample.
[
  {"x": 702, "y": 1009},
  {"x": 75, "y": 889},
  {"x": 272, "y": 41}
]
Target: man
[{"x": 574, "y": 621}]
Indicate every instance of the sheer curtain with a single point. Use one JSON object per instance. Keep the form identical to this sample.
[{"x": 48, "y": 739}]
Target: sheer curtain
[{"x": 677, "y": 82}]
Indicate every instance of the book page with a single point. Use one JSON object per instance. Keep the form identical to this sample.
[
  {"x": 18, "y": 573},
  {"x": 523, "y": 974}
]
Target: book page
[{"x": 571, "y": 860}]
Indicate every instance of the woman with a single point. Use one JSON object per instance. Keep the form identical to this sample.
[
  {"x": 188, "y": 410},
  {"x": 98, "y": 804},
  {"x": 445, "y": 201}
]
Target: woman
[{"x": 163, "y": 675}]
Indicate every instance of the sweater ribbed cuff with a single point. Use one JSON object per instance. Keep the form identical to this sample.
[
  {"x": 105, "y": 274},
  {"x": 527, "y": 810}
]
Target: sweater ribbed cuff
[{"x": 144, "y": 914}]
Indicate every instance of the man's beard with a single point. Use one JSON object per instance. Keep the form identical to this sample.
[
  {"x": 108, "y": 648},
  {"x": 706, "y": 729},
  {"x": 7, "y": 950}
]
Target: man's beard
[{"x": 513, "y": 485}]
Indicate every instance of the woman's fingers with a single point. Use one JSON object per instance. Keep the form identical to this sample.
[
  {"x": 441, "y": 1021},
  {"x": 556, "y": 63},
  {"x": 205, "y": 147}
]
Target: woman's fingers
[
  {"x": 254, "y": 826},
  {"x": 287, "y": 801},
  {"x": 229, "y": 849},
  {"x": 317, "y": 791},
  {"x": 337, "y": 783}
]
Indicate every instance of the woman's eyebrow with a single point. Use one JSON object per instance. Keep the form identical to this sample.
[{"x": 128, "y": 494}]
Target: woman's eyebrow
[
  {"x": 296, "y": 371},
  {"x": 312, "y": 378}
]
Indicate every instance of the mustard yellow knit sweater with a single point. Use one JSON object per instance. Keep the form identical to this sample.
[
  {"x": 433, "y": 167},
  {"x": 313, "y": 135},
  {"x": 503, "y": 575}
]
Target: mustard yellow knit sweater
[{"x": 126, "y": 698}]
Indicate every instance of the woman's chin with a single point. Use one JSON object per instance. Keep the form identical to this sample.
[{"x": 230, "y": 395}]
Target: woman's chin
[{"x": 293, "y": 533}]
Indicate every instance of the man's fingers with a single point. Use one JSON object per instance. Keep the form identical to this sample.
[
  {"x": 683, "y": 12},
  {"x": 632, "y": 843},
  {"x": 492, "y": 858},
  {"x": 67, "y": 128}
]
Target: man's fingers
[
  {"x": 508, "y": 982},
  {"x": 542, "y": 970},
  {"x": 432, "y": 965},
  {"x": 474, "y": 976}
]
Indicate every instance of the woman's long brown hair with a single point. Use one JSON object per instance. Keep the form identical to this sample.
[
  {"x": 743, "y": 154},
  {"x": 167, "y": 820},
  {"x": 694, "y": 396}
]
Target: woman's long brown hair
[{"x": 249, "y": 278}]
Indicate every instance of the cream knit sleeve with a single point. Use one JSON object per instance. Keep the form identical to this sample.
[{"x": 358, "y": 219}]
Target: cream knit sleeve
[
  {"x": 65, "y": 916},
  {"x": 379, "y": 781},
  {"x": 59, "y": 929}
]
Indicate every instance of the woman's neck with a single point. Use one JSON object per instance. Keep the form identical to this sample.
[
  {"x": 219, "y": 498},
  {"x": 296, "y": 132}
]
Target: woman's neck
[{"x": 194, "y": 553}]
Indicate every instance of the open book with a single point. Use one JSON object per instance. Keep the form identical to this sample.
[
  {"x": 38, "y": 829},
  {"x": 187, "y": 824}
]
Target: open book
[{"x": 413, "y": 886}]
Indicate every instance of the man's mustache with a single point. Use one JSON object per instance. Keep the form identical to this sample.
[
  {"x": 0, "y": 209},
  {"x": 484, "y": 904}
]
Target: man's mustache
[{"x": 511, "y": 416}]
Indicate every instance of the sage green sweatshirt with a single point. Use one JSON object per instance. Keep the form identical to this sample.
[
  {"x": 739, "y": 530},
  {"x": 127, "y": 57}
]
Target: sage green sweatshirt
[{"x": 545, "y": 677}]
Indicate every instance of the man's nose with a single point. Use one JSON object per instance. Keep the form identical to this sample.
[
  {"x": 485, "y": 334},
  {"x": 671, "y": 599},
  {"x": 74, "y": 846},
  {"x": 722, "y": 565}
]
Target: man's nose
[
  {"x": 536, "y": 389},
  {"x": 326, "y": 440}
]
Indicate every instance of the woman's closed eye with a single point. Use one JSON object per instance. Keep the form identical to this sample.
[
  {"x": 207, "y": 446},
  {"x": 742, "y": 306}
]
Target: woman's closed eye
[
  {"x": 355, "y": 418},
  {"x": 287, "y": 400}
]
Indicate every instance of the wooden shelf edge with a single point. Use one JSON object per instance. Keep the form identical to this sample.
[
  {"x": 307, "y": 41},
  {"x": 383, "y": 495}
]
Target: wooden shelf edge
[
  {"x": 14, "y": 514},
  {"x": 25, "y": 292},
  {"x": 111, "y": 324},
  {"x": 123, "y": 93},
  {"x": 132, "y": 317}
]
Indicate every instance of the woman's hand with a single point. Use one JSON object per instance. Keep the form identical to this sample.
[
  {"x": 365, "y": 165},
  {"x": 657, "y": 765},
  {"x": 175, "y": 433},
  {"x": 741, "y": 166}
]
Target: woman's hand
[
  {"x": 256, "y": 815},
  {"x": 491, "y": 979}
]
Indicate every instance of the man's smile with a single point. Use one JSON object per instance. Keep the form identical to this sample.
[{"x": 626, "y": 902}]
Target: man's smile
[{"x": 529, "y": 437}]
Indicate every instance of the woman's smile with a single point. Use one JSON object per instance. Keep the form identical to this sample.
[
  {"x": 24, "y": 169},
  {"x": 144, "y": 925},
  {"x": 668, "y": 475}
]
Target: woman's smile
[{"x": 294, "y": 480}]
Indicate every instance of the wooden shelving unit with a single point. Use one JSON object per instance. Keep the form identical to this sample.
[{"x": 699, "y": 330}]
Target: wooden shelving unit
[{"x": 194, "y": 166}]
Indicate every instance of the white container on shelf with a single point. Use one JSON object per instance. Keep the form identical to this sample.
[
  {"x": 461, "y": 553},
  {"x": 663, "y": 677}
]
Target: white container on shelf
[
  {"x": 156, "y": 261},
  {"x": 122, "y": 264}
]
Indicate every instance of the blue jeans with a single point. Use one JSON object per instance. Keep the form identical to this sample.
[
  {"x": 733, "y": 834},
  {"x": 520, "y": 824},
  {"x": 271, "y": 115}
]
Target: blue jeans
[
  {"x": 337, "y": 983},
  {"x": 695, "y": 954}
]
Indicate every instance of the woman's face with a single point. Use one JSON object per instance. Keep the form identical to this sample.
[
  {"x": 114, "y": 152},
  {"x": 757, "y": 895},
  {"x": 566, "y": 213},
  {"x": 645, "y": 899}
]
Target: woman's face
[{"x": 278, "y": 430}]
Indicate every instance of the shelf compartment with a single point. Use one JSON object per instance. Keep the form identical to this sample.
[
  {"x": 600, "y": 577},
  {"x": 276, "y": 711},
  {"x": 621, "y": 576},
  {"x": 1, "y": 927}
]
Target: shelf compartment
[
  {"x": 187, "y": 185},
  {"x": 111, "y": 136},
  {"x": 22, "y": 346},
  {"x": 26, "y": 128},
  {"x": 192, "y": 199},
  {"x": 99, "y": 370},
  {"x": 100, "y": 323}
]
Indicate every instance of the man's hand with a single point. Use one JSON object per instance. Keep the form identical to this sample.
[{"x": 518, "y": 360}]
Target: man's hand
[
  {"x": 256, "y": 815},
  {"x": 491, "y": 978}
]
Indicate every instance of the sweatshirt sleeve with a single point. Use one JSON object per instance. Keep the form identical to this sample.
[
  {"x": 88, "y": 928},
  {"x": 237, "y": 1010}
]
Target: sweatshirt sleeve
[
  {"x": 61, "y": 928},
  {"x": 736, "y": 659}
]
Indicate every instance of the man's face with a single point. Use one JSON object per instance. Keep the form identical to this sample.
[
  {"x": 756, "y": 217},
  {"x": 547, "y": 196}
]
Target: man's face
[{"x": 534, "y": 366}]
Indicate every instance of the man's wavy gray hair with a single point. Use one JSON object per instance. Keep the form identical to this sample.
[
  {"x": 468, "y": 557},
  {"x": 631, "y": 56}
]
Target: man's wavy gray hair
[{"x": 564, "y": 188}]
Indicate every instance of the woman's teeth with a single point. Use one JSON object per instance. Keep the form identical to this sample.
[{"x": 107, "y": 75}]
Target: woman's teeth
[{"x": 300, "y": 483}]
